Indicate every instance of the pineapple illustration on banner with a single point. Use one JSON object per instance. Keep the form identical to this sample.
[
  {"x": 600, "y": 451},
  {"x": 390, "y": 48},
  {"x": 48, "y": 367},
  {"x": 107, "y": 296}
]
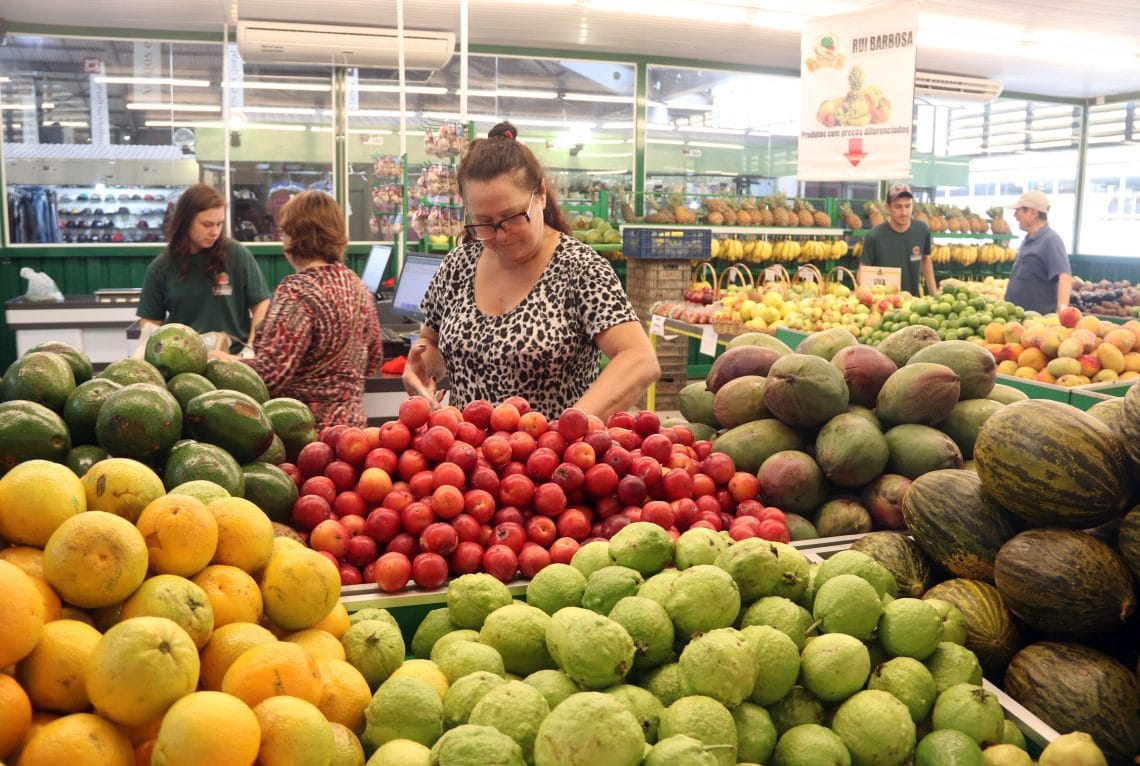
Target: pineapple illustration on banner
[{"x": 857, "y": 74}]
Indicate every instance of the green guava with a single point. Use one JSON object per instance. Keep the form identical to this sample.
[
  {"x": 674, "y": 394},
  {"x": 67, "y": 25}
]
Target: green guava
[
  {"x": 657, "y": 586},
  {"x": 781, "y": 613},
  {"x": 910, "y": 627},
  {"x": 947, "y": 747},
  {"x": 847, "y": 604},
  {"x": 591, "y": 557},
  {"x": 778, "y": 663},
  {"x": 876, "y": 728},
  {"x": 698, "y": 546},
  {"x": 404, "y": 707},
  {"x": 375, "y": 648},
  {"x": 834, "y": 666},
  {"x": 555, "y": 586},
  {"x": 608, "y": 585},
  {"x": 861, "y": 565},
  {"x": 554, "y": 685},
  {"x": 593, "y": 650},
  {"x": 910, "y": 681},
  {"x": 471, "y": 745},
  {"x": 705, "y": 719},
  {"x": 434, "y": 625},
  {"x": 458, "y": 658},
  {"x": 755, "y": 734},
  {"x": 952, "y": 664},
  {"x": 645, "y": 707},
  {"x": 471, "y": 597},
  {"x": 517, "y": 632},
  {"x": 810, "y": 744},
  {"x": 649, "y": 626},
  {"x": 516, "y": 710},
  {"x": 720, "y": 664},
  {"x": 798, "y": 707},
  {"x": 665, "y": 683},
  {"x": 679, "y": 749},
  {"x": 643, "y": 546},
  {"x": 587, "y": 729},
  {"x": 700, "y": 599},
  {"x": 464, "y": 694},
  {"x": 971, "y": 710}
]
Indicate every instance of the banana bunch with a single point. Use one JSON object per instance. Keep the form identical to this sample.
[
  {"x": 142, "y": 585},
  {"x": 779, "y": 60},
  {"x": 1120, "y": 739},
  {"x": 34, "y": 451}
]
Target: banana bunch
[
  {"x": 787, "y": 250},
  {"x": 964, "y": 255},
  {"x": 993, "y": 253},
  {"x": 758, "y": 251},
  {"x": 940, "y": 255},
  {"x": 728, "y": 249}
]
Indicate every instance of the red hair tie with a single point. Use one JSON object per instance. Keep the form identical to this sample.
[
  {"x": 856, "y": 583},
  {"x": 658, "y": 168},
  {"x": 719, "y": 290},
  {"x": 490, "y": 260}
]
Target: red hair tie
[{"x": 509, "y": 134}]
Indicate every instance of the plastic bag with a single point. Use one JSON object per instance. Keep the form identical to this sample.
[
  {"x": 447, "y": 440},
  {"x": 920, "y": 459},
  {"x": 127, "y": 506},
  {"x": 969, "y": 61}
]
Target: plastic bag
[{"x": 41, "y": 287}]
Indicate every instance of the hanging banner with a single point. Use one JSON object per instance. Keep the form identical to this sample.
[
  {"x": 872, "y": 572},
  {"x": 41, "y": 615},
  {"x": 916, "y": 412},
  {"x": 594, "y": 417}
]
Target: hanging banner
[
  {"x": 100, "y": 122},
  {"x": 148, "y": 68},
  {"x": 857, "y": 75},
  {"x": 352, "y": 85},
  {"x": 236, "y": 86}
]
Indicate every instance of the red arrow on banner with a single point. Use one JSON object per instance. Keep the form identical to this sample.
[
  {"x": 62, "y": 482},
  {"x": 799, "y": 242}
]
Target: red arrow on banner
[{"x": 855, "y": 153}]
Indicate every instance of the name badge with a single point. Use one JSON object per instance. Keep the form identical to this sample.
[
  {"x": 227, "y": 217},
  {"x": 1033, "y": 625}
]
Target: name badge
[{"x": 222, "y": 285}]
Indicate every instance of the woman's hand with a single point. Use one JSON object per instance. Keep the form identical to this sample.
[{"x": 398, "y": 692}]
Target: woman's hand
[{"x": 417, "y": 379}]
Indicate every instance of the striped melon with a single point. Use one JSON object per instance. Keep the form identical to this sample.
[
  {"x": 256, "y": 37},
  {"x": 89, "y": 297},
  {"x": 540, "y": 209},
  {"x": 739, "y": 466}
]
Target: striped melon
[
  {"x": 1052, "y": 465},
  {"x": 1064, "y": 582},
  {"x": 956, "y": 523},
  {"x": 1076, "y": 688},
  {"x": 1130, "y": 423},
  {"x": 991, "y": 632},
  {"x": 900, "y": 556},
  {"x": 1128, "y": 540}
]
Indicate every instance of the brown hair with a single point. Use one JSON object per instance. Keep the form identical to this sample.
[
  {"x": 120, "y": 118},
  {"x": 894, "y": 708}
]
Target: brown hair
[
  {"x": 314, "y": 225},
  {"x": 499, "y": 154},
  {"x": 194, "y": 200}
]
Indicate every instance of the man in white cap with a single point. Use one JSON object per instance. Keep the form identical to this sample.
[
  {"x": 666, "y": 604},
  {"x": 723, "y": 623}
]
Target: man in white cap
[
  {"x": 901, "y": 242},
  {"x": 1041, "y": 278}
]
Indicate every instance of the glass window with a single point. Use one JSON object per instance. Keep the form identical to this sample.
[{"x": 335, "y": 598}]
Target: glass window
[
  {"x": 1110, "y": 218},
  {"x": 576, "y": 116},
  {"x": 97, "y": 134}
]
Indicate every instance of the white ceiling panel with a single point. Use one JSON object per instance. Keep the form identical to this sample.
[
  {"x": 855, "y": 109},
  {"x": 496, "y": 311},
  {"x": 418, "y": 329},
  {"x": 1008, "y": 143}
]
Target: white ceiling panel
[{"x": 1054, "y": 48}]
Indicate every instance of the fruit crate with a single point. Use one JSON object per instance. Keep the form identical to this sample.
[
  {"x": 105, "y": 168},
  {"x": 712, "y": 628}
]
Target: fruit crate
[
  {"x": 1035, "y": 389},
  {"x": 668, "y": 243},
  {"x": 1084, "y": 400}
]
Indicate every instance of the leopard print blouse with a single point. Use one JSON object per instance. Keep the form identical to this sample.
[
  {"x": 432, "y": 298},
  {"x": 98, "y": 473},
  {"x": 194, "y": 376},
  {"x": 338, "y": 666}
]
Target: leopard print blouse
[{"x": 543, "y": 349}]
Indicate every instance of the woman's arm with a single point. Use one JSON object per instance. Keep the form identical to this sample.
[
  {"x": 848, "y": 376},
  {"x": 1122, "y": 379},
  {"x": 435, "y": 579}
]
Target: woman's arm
[
  {"x": 257, "y": 316},
  {"x": 425, "y": 367},
  {"x": 631, "y": 370}
]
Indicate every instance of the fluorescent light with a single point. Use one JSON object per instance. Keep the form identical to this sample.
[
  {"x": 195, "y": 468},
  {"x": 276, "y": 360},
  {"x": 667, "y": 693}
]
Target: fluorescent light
[
  {"x": 276, "y": 126},
  {"x": 270, "y": 85},
  {"x": 618, "y": 125},
  {"x": 666, "y": 141},
  {"x": 172, "y": 81},
  {"x": 714, "y": 145},
  {"x": 703, "y": 129},
  {"x": 158, "y": 107},
  {"x": 279, "y": 110},
  {"x": 601, "y": 99},
  {"x": 512, "y": 93},
  {"x": 540, "y": 123},
  {"x": 4, "y": 78},
  {"x": 427, "y": 89},
  {"x": 373, "y": 112},
  {"x": 184, "y": 124},
  {"x": 608, "y": 172},
  {"x": 604, "y": 155},
  {"x": 611, "y": 141},
  {"x": 17, "y": 107},
  {"x": 661, "y": 126},
  {"x": 48, "y": 105},
  {"x": 66, "y": 123}
]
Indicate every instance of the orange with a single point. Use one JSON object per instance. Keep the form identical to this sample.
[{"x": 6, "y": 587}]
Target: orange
[
  {"x": 21, "y": 616},
  {"x": 140, "y": 668},
  {"x": 174, "y": 598},
  {"x": 17, "y": 718},
  {"x": 226, "y": 644},
  {"x": 95, "y": 559},
  {"x": 233, "y": 594},
  {"x": 299, "y": 588},
  {"x": 36, "y": 497},
  {"x": 121, "y": 486},
  {"x": 81, "y": 738},
  {"x": 320, "y": 643},
  {"x": 181, "y": 534},
  {"x": 271, "y": 669},
  {"x": 245, "y": 534},
  {"x": 53, "y": 607},
  {"x": 207, "y": 728},
  {"x": 27, "y": 558},
  {"x": 344, "y": 693},
  {"x": 337, "y": 621},
  {"x": 75, "y": 613},
  {"x": 55, "y": 673},
  {"x": 293, "y": 733},
  {"x": 347, "y": 750}
]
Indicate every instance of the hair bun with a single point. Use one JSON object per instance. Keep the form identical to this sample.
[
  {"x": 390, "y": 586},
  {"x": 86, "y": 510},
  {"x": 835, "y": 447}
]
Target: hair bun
[{"x": 504, "y": 130}]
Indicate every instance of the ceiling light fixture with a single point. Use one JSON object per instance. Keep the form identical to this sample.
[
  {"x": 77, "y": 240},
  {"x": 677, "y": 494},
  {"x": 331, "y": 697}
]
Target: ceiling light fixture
[
  {"x": 277, "y": 85},
  {"x": 545, "y": 95},
  {"x": 430, "y": 90},
  {"x": 714, "y": 145},
  {"x": 171, "y": 81},
  {"x": 66, "y": 123},
  {"x": 598, "y": 98},
  {"x": 159, "y": 107},
  {"x": 281, "y": 110}
]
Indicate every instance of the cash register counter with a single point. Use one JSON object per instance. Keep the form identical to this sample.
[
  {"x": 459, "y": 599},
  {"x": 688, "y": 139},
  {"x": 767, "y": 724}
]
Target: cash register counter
[{"x": 94, "y": 324}]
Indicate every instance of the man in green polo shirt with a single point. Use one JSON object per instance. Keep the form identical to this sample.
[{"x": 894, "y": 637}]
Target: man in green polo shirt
[{"x": 901, "y": 242}]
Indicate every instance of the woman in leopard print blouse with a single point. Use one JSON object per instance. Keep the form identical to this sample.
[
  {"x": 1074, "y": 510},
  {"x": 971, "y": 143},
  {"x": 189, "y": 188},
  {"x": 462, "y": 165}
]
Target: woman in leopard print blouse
[{"x": 521, "y": 307}]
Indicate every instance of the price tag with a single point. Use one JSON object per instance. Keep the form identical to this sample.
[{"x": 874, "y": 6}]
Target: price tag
[
  {"x": 807, "y": 275},
  {"x": 657, "y": 325},
  {"x": 881, "y": 276},
  {"x": 771, "y": 274},
  {"x": 708, "y": 340}
]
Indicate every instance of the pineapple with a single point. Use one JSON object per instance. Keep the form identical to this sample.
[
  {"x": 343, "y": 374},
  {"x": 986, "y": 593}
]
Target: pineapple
[
  {"x": 780, "y": 212},
  {"x": 766, "y": 217},
  {"x": 850, "y": 220},
  {"x": 729, "y": 214},
  {"x": 803, "y": 211},
  {"x": 856, "y": 111},
  {"x": 681, "y": 213},
  {"x": 627, "y": 213},
  {"x": 998, "y": 223},
  {"x": 822, "y": 219},
  {"x": 920, "y": 214},
  {"x": 874, "y": 213}
]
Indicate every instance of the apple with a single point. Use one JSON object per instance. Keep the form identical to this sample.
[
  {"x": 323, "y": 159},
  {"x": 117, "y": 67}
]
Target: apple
[
  {"x": 501, "y": 562},
  {"x": 414, "y": 412},
  {"x": 563, "y": 549},
  {"x": 393, "y": 570},
  {"x": 466, "y": 558},
  {"x": 361, "y": 551},
  {"x": 533, "y": 559}
]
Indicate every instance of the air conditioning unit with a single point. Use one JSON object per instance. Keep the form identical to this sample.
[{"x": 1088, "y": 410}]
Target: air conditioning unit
[
  {"x": 284, "y": 43},
  {"x": 955, "y": 88}
]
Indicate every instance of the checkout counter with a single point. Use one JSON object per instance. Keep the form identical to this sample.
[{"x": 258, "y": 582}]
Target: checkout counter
[{"x": 104, "y": 326}]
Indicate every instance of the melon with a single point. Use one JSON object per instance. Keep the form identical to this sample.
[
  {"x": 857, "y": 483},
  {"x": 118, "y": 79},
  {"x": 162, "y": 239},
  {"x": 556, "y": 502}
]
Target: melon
[
  {"x": 991, "y": 632},
  {"x": 900, "y": 556},
  {"x": 1051, "y": 464}
]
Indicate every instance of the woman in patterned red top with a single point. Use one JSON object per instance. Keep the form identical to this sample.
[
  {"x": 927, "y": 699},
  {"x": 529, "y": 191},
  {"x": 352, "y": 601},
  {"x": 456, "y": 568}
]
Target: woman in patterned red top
[{"x": 321, "y": 337}]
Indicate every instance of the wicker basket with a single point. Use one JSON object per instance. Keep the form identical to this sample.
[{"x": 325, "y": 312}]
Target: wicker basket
[
  {"x": 699, "y": 272},
  {"x": 774, "y": 277},
  {"x": 836, "y": 276},
  {"x": 802, "y": 278}
]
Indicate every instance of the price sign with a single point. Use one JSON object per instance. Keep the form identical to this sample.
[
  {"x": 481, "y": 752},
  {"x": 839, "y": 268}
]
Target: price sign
[
  {"x": 708, "y": 340},
  {"x": 771, "y": 274},
  {"x": 807, "y": 275},
  {"x": 880, "y": 276},
  {"x": 657, "y": 325}
]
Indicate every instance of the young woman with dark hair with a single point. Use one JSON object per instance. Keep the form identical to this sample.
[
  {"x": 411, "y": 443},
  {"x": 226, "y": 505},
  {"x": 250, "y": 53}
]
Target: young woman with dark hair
[
  {"x": 202, "y": 278},
  {"x": 523, "y": 308}
]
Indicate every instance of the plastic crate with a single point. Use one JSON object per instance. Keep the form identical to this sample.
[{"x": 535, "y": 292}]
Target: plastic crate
[{"x": 666, "y": 243}]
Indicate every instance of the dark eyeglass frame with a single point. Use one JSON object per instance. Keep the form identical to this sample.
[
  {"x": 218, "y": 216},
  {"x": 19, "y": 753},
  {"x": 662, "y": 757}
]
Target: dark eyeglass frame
[{"x": 473, "y": 229}]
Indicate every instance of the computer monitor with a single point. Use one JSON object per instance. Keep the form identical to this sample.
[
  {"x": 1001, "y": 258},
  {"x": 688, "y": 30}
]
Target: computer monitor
[
  {"x": 375, "y": 266},
  {"x": 412, "y": 284}
]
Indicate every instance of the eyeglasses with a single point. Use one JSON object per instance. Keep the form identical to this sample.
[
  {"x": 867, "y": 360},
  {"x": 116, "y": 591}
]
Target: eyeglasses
[{"x": 486, "y": 231}]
